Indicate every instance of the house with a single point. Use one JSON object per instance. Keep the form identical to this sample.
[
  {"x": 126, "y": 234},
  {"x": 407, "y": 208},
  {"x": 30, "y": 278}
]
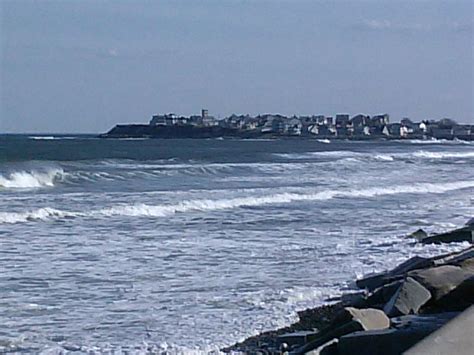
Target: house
[
  {"x": 163, "y": 120},
  {"x": 360, "y": 120},
  {"x": 293, "y": 127},
  {"x": 342, "y": 120},
  {"x": 379, "y": 120}
]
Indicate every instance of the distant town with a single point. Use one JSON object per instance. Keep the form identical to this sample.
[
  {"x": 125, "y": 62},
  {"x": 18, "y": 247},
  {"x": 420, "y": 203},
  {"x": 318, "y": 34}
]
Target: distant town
[{"x": 341, "y": 126}]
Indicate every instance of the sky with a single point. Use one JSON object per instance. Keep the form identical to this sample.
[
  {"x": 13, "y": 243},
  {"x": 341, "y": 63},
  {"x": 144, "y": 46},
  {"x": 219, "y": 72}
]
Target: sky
[{"x": 84, "y": 66}]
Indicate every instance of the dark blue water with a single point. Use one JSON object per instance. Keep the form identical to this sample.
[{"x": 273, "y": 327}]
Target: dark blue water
[{"x": 188, "y": 245}]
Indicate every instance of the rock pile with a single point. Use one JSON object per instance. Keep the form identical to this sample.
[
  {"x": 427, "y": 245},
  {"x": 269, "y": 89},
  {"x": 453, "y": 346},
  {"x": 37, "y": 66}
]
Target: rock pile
[{"x": 394, "y": 311}]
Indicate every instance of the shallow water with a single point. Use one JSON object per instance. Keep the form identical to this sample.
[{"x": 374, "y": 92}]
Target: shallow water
[{"x": 189, "y": 245}]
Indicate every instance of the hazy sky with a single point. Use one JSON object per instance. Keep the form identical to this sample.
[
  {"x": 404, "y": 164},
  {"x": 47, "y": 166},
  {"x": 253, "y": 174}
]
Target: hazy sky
[{"x": 83, "y": 66}]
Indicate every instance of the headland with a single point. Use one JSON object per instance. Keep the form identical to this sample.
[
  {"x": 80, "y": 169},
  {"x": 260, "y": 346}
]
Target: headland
[{"x": 342, "y": 126}]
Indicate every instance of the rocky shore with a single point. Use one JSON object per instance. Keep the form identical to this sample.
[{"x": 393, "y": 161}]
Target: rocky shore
[{"x": 391, "y": 312}]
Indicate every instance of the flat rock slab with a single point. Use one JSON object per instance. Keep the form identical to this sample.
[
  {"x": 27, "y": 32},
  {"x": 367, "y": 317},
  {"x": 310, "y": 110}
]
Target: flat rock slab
[
  {"x": 456, "y": 337},
  {"x": 465, "y": 234},
  {"x": 380, "y": 342},
  {"x": 408, "y": 299}
]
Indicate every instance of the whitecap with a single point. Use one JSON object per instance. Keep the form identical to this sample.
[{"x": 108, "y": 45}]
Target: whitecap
[
  {"x": 30, "y": 179},
  {"x": 200, "y": 205}
]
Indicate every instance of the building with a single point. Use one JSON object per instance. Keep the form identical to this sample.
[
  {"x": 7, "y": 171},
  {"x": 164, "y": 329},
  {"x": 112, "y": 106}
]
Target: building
[
  {"x": 168, "y": 119},
  {"x": 342, "y": 120}
]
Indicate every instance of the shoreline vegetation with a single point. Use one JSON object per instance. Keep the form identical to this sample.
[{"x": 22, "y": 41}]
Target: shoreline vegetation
[{"x": 390, "y": 313}]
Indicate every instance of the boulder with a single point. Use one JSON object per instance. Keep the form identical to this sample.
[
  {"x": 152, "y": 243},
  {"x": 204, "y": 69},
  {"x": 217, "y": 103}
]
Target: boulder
[
  {"x": 456, "y": 337},
  {"x": 418, "y": 235},
  {"x": 455, "y": 258},
  {"x": 470, "y": 222},
  {"x": 440, "y": 280},
  {"x": 296, "y": 338},
  {"x": 414, "y": 263},
  {"x": 374, "y": 281},
  {"x": 368, "y": 318},
  {"x": 347, "y": 321},
  {"x": 458, "y": 299},
  {"x": 379, "y": 297},
  {"x": 408, "y": 298},
  {"x": 465, "y": 234},
  {"x": 407, "y": 331}
]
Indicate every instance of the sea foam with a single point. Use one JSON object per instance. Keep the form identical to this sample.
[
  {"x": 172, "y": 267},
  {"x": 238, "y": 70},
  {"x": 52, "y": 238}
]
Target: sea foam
[
  {"x": 202, "y": 205},
  {"x": 30, "y": 179}
]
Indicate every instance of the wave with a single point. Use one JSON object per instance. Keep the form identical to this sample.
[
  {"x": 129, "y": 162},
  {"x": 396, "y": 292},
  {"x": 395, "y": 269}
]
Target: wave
[
  {"x": 442, "y": 155},
  {"x": 203, "y": 205},
  {"x": 347, "y": 154},
  {"x": 435, "y": 141},
  {"x": 30, "y": 179},
  {"x": 50, "y": 138}
]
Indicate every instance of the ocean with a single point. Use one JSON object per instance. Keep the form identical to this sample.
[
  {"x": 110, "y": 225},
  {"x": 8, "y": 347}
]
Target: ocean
[{"x": 191, "y": 245}]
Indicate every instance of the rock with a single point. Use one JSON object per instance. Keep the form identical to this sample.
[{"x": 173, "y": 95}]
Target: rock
[
  {"x": 408, "y": 298},
  {"x": 465, "y": 234},
  {"x": 379, "y": 297},
  {"x": 355, "y": 299},
  {"x": 347, "y": 321},
  {"x": 458, "y": 299},
  {"x": 440, "y": 280},
  {"x": 329, "y": 348},
  {"x": 368, "y": 318},
  {"x": 379, "y": 342},
  {"x": 456, "y": 337},
  {"x": 455, "y": 258},
  {"x": 413, "y": 263},
  {"x": 373, "y": 281},
  {"x": 470, "y": 222},
  {"x": 296, "y": 338},
  {"x": 408, "y": 331},
  {"x": 418, "y": 235}
]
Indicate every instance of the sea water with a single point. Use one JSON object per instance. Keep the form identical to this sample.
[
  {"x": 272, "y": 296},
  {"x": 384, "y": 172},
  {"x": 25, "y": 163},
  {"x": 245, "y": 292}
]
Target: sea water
[{"x": 191, "y": 245}]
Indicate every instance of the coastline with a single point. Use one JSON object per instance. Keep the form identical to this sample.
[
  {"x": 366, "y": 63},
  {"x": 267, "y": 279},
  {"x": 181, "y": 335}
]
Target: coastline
[{"x": 389, "y": 313}]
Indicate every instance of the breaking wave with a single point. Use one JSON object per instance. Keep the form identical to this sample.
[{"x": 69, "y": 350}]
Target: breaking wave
[
  {"x": 200, "y": 205},
  {"x": 442, "y": 155},
  {"x": 30, "y": 179},
  {"x": 347, "y": 154}
]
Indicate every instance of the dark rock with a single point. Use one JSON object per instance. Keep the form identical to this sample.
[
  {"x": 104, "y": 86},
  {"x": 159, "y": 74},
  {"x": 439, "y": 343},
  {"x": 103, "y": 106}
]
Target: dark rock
[
  {"x": 296, "y": 338},
  {"x": 440, "y": 280},
  {"x": 379, "y": 297},
  {"x": 470, "y": 222},
  {"x": 380, "y": 342},
  {"x": 408, "y": 299},
  {"x": 375, "y": 281},
  {"x": 414, "y": 263},
  {"x": 418, "y": 235},
  {"x": 465, "y": 234},
  {"x": 456, "y": 337},
  {"x": 356, "y": 299},
  {"x": 408, "y": 331},
  {"x": 371, "y": 282},
  {"x": 458, "y": 299},
  {"x": 455, "y": 258},
  {"x": 347, "y": 321}
]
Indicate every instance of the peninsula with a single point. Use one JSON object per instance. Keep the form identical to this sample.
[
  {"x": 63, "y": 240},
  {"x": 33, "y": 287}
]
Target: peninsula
[{"x": 342, "y": 126}]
